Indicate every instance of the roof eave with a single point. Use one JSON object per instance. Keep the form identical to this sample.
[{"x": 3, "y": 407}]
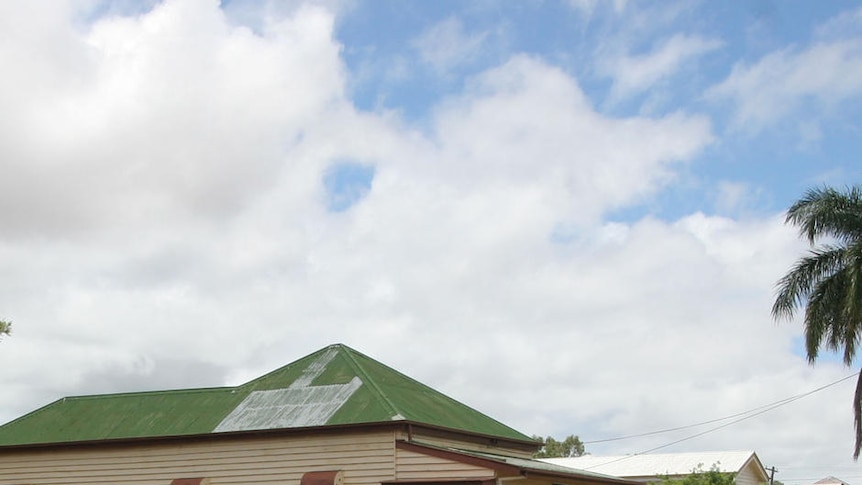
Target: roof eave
[
  {"x": 407, "y": 425},
  {"x": 508, "y": 468},
  {"x": 527, "y": 445},
  {"x": 326, "y": 429}
]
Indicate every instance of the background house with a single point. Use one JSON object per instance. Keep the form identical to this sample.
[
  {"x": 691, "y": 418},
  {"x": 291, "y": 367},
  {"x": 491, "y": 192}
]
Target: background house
[
  {"x": 831, "y": 481},
  {"x": 652, "y": 467},
  {"x": 335, "y": 417}
]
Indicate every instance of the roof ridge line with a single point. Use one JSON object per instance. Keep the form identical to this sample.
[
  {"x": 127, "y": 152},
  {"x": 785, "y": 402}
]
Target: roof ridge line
[
  {"x": 279, "y": 369},
  {"x": 29, "y": 415},
  {"x": 154, "y": 391},
  {"x": 427, "y": 388},
  {"x": 378, "y": 393}
]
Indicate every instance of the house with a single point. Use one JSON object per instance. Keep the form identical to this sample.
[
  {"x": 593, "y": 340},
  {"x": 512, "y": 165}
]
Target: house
[
  {"x": 831, "y": 481},
  {"x": 335, "y": 417},
  {"x": 653, "y": 467}
]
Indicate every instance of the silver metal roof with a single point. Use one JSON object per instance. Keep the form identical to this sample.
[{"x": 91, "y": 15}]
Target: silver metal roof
[{"x": 658, "y": 464}]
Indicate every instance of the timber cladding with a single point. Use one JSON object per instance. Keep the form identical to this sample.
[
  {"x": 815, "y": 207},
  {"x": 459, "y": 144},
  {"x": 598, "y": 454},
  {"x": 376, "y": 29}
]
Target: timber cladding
[
  {"x": 364, "y": 458},
  {"x": 413, "y": 466}
]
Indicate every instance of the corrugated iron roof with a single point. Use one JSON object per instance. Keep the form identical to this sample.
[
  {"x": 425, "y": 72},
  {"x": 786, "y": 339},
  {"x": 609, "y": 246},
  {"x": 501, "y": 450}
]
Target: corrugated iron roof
[
  {"x": 830, "y": 480},
  {"x": 660, "y": 463},
  {"x": 545, "y": 466},
  {"x": 333, "y": 386},
  {"x": 524, "y": 466}
]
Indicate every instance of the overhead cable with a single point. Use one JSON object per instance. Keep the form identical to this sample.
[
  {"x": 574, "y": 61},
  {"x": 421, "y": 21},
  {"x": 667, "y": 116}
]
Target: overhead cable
[
  {"x": 767, "y": 407},
  {"x": 744, "y": 416}
]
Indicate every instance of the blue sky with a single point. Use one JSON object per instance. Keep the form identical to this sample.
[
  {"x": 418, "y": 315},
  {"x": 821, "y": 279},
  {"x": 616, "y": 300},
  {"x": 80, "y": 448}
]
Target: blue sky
[
  {"x": 568, "y": 215},
  {"x": 382, "y": 43}
]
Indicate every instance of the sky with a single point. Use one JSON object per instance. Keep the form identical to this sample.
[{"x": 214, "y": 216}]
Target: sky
[{"x": 566, "y": 214}]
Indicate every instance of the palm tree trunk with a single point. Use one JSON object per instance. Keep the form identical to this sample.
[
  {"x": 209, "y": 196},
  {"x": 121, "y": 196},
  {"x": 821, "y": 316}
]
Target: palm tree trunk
[{"x": 857, "y": 415}]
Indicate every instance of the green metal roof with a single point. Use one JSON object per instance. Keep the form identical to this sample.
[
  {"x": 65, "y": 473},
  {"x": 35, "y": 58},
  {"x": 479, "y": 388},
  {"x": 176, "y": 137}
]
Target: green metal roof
[{"x": 333, "y": 386}]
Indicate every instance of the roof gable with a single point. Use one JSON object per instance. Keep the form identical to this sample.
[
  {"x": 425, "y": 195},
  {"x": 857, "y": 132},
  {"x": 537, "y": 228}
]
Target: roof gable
[
  {"x": 333, "y": 386},
  {"x": 830, "y": 480}
]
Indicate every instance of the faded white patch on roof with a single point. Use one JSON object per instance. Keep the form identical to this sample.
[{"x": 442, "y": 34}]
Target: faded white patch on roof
[
  {"x": 315, "y": 368},
  {"x": 299, "y": 405},
  {"x": 294, "y": 407}
]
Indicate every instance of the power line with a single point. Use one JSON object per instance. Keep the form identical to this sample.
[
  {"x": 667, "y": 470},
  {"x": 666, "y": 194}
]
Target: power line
[
  {"x": 770, "y": 406},
  {"x": 689, "y": 426},
  {"x": 745, "y": 415}
]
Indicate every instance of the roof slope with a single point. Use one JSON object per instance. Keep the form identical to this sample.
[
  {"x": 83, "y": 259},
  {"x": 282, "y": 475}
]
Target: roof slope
[
  {"x": 660, "y": 463},
  {"x": 520, "y": 466},
  {"x": 333, "y": 386},
  {"x": 830, "y": 480}
]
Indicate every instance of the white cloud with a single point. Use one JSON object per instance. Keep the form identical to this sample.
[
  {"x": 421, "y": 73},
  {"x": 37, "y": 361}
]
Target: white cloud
[
  {"x": 589, "y": 6},
  {"x": 445, "y": 46},
  {"x": 635, "y": 74},
  {"x": 767, "y": 91},
  {"x": 154, "y": 118},
  {"x": 736, "y": 198},
  {"x": 527, "y": 125},
  {"x": 845, "y": 25},
  {"x": 190, "y": 197}
]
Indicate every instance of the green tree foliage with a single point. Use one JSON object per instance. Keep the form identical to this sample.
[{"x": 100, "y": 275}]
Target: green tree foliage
[
  {"x": 828, "y": 280},
  {"x": 699, "y": 476},
  {"x": 571, "y": 446},
  {"x": 5, "y": 328}
]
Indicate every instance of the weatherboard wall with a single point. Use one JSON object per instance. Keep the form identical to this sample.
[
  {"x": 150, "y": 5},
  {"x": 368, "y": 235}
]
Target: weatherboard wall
[
  {"x": 412, "y": 466},
  {"x": 750, "y": 475},
  {"x": 365, "y": 459}
]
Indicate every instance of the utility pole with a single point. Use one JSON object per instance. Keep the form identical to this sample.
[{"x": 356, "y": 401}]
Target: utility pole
[{"x": 772, "y": 475}]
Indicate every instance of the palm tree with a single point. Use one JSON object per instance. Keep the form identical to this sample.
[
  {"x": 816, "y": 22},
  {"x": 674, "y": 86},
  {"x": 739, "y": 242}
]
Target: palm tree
[{"x": 828, "y": 281}]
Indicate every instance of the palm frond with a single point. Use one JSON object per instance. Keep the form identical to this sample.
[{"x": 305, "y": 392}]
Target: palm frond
[
  {"x": 827, "y": 212},
  {"x": 828, "y": 282},
  {"x": 795, "y": 287},
  {"x": 853, "y": 266},
  {"x": 823, "y": 323}
]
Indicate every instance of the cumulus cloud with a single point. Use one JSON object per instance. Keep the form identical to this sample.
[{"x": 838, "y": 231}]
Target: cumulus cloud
[
  {"x": 167, "y": 113},
  {"x": 186, "y": 171},
  {"x": 529, "y": 126}
]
